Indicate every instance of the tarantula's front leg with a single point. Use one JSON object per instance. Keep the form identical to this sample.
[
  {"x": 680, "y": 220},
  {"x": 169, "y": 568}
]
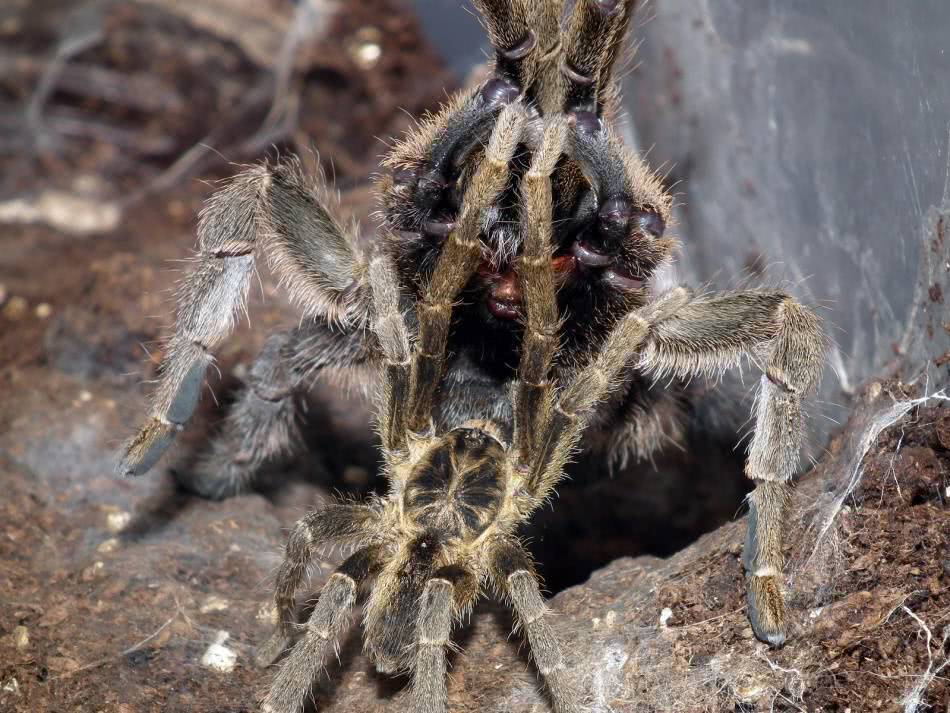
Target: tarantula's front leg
[
  {"x": 459, "y": 258},
  {"x": 532, "y": 392},
  {"x": 329, "y": 618},
  {"x": 269, "y": 209},
  {"x": 513, "y": 574},
  {"x": 514, "y": 33},
  {"x": 711, "y": 334},
  {"x": 393, "y": 334},
  {"x": 594, "y": 36}
]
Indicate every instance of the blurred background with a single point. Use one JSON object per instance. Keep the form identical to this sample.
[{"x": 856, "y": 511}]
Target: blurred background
[{"x": 807, "y": 143}]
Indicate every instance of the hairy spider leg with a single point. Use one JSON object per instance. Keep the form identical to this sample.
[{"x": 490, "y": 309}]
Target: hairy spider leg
[
  {"x": 329, "y": 619},
  {"x": 457, "y": 262},
  {"x": 591, "y": 385},
  {"x": 393, "y": 334},
  {"x": 512, "y": 573},
  {"x": 512, "y": 35},
  {"x": 336, "y": 522},
  {"x": 576, "y": 62},
  {"x": 265, "y": 209},
  {"x": 711, "y": 334},
  {"x": 684, "y": 336},
  {"x": 573, "y": 75},
  {"x": 264, "y": 424},
  {"x": 446, "y": 595},
  {"x": 532, "y": 390},
  {"x": 595, "y": 32}
]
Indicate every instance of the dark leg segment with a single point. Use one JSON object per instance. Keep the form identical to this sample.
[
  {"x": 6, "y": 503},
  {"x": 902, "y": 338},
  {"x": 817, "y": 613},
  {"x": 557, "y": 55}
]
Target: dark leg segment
[
  {"x": 591, "y": 34},
  {"x": 633, "y": 207},
  {"x": 513, "y": 39},
  {"x": 264, "y": 424}
]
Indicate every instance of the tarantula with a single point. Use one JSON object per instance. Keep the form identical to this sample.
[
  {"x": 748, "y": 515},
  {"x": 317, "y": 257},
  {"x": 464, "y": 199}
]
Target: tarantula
[
  {"x": 606, "y": 231},
  {"x": 455, "y": 497}
]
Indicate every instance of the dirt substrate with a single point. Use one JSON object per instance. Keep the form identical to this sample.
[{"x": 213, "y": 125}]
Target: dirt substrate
[{"x": 125, "y": 596}]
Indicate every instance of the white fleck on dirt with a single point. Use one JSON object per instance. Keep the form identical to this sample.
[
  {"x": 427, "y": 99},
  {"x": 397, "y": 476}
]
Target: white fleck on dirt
[{"x": 218, "y": 656}]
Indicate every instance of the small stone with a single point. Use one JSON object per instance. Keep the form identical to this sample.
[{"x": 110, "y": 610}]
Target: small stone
[
  {"x": 107, "y": 546},
  {"x": 752, "y": 691},
  {"x": 610, "y": 619},
  {"x": 21, "y": 637},
  {"x": 12, "y": 686},
  {"x": 365, "y": 48},
  {"x": 218, "y": 656},
  {"x": 665, "y": 616},
  {"x": 214, "y": 603},
  {"x": 85, "y": 396},
  {"x": 915, "y": 571},
  {"x": 118, "y": 520},
  {"x": 15, "y": 308},
  {"x": 43, "y": 310},
  {"x": 368, "y": 54},
  {"x": 93, "y": 571}
]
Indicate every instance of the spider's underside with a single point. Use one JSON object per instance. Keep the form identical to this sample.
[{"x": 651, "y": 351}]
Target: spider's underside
[{"x": 517, "y": 230}]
